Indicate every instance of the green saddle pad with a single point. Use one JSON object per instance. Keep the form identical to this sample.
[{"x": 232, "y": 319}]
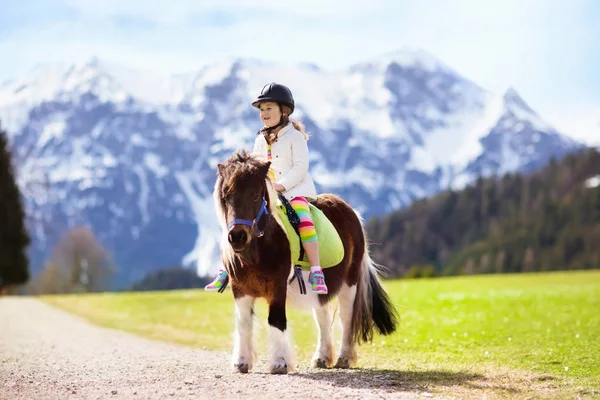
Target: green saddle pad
[{"x": 331, "y": 248}]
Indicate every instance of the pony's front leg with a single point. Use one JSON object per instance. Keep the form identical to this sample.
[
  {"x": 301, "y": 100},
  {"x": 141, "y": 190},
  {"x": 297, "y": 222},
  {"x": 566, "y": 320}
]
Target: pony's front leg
[
  {"x": 280, "y": 352},
  {"x": 243, "y": 347}
]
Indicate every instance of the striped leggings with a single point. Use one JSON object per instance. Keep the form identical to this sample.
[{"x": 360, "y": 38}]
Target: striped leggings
[{"x": 307, "y": 227}]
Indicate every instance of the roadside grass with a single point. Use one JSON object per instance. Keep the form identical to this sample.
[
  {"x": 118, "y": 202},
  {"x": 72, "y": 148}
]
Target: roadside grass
[{"x": 494, "y": 336}]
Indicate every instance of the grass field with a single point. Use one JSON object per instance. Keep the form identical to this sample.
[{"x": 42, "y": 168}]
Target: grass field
[{"x": 506, "y": 336}]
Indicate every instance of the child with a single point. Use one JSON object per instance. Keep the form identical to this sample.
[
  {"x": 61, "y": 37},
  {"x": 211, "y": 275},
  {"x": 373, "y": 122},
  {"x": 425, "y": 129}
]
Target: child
[{"x": 283, "y": 142}]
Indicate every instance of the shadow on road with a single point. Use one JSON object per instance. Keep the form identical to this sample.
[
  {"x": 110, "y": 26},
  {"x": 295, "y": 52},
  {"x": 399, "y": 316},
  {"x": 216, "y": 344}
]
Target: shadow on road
[{"x": 414, "y": 381}]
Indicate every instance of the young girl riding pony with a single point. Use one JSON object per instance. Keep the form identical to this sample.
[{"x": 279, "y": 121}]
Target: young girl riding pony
[{"x": 284, "y": 142}]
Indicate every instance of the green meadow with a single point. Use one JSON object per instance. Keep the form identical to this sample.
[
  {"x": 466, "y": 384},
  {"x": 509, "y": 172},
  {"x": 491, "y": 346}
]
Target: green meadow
[{"x": 518, "y": 336}]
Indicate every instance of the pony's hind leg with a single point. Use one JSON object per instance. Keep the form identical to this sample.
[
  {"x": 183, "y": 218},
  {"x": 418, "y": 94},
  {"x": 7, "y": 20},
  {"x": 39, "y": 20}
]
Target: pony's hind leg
[
  {"x": 324, "y": 353},
  {"x": 280, "y": 352},
  {"x": 243, "y": 348},
  {"x": 348, "y": 356}
]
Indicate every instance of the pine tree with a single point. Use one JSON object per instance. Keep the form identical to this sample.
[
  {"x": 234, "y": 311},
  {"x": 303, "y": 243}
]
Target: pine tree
[
  {"x": 500, "y": 262},
  {"x": 469, "y": 267},
  {"x": 529, "y": 260},
  {"x": 484, "y": 264},
  {"x": 14, "y": 239}
]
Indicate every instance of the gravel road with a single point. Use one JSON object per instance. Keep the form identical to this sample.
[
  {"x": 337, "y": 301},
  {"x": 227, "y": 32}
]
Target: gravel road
[{"x": 46, "y": 353}]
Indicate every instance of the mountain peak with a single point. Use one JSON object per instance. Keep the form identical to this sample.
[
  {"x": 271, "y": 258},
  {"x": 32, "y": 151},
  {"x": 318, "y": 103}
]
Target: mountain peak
[
  {"x": 406, "y": 57},
  {"x": 512, "y": 98},
  {"x": 93, "y": 61}
]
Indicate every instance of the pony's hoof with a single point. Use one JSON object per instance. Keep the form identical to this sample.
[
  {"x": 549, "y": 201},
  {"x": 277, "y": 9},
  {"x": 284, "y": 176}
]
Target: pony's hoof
[
  {"x": 242, "y": 368},
  {"x": 320, "y": 363},
  {"x": 279, "y": 370},
  {"x": 342, "y": 363},
  {"x": 279, "y": 367}
]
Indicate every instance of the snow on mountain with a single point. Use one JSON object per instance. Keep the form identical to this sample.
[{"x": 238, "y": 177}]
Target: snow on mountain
[
  {"x": 133, "y": 153},
  {"x": 593, "y": 182}
]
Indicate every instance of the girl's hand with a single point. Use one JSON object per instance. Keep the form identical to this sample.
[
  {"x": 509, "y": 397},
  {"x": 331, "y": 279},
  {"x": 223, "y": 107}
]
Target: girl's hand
[{"x": 278, "y": 187}]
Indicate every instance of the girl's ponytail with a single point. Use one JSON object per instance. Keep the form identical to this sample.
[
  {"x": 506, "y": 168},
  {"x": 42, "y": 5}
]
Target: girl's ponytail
[{"x": 299, "y": 126}]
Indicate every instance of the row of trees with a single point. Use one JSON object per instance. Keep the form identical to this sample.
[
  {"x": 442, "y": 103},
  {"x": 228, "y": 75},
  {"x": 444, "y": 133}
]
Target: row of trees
[
  {"x": 170, "y": 278},
  {"x": 78, "y": 264},
  {"x": 549, "y": 220}
]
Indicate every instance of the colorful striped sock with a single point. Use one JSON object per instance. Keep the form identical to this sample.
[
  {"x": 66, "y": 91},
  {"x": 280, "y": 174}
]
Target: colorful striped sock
[{"x": 307, "y": 227}]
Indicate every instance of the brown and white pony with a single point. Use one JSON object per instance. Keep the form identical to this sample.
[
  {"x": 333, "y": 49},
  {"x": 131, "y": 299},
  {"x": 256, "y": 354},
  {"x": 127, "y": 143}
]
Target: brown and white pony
[{"x": 256, "y": 253}]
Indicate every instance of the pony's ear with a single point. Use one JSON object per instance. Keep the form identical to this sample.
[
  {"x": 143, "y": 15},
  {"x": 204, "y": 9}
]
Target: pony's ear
[
  {"x": 264, "y": 168},
  {"x": 220, "y": 168}
]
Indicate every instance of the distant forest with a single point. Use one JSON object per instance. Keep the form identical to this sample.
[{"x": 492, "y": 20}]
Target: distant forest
[
  {"x": 170, "y": 278},
  {"x": 544, "y": 221}
]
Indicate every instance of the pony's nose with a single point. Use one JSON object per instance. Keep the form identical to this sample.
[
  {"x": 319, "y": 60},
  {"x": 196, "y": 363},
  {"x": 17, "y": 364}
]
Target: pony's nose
[{"x": 237, "y": 236}]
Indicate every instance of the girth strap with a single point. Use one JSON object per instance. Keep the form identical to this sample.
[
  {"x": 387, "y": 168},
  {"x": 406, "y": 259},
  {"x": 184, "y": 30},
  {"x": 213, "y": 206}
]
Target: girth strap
[{"x": 298, "y": 275}]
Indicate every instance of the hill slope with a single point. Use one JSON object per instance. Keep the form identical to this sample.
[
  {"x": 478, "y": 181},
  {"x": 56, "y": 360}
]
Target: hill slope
[{"x": 549, "y": 220}]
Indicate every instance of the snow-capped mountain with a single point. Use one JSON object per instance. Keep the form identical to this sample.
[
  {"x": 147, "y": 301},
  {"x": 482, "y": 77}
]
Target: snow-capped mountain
[{"x": 133, "y": 153}]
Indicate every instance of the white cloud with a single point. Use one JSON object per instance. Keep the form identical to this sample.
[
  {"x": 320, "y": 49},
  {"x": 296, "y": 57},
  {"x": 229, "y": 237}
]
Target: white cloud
[
  {"x": 496, "y": 45},
  {"x": 179, "y": 11},
  {"x": 500, "y": 44},
  {"x": 537, "y": 46}
]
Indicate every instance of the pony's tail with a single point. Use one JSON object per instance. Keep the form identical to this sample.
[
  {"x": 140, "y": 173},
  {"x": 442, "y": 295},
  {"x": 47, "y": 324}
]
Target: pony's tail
[{"x": 372, "y": 305}]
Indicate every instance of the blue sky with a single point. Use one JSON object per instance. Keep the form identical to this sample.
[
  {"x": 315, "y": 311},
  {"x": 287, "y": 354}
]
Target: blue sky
[{"x": 549, "y": 50}]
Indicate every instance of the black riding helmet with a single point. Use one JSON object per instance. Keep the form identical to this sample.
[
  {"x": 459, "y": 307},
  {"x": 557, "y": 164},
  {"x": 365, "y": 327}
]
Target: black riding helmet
[{"x": 277, "y": 93}]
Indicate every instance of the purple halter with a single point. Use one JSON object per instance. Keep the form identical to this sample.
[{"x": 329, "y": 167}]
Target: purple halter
[{"x": 254, "y": 222}]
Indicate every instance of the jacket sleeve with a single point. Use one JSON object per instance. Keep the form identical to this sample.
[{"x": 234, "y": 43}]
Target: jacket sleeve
[
  {"x": 299, "y": 161},
  {"x": 258, "y": 149}
]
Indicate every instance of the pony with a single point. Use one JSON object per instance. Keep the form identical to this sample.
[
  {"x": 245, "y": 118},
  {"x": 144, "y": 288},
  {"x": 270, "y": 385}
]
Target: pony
[{"x": 255, "y": 251}]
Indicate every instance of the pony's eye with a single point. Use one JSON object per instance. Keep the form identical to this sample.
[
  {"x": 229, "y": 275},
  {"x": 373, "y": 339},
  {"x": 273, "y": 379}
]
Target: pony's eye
[
  {"x": 256, "y": 196},
  {"x": 224, "y": 195}
]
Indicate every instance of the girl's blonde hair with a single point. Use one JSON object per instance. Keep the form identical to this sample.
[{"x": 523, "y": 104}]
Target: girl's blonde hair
[{"x": 299, "y": 126}]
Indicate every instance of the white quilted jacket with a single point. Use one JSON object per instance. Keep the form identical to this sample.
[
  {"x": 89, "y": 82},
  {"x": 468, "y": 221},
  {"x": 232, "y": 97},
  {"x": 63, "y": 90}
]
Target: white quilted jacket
[{"x": 289, "y": 161}]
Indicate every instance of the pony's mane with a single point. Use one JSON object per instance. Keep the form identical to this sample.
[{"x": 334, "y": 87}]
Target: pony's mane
[
  {"x": 243, "y": 164},
  {"x": 240, "y": 165}
]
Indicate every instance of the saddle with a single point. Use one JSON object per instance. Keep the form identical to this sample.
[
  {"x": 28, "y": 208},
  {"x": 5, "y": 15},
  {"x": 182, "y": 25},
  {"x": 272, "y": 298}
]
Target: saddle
[{"x": 331, "y": 248}]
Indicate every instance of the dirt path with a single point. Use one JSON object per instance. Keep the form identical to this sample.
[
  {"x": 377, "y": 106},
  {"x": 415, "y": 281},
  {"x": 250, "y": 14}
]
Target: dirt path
[{"x": 46, "y": 353}]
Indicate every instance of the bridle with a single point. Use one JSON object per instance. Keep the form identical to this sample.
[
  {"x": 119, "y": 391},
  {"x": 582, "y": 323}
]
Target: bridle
[{"x": 254, "y": 223}]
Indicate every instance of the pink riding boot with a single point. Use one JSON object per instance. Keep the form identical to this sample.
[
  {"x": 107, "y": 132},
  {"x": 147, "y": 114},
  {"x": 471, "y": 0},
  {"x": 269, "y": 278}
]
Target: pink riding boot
[{"x": 218, "y": 282}]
